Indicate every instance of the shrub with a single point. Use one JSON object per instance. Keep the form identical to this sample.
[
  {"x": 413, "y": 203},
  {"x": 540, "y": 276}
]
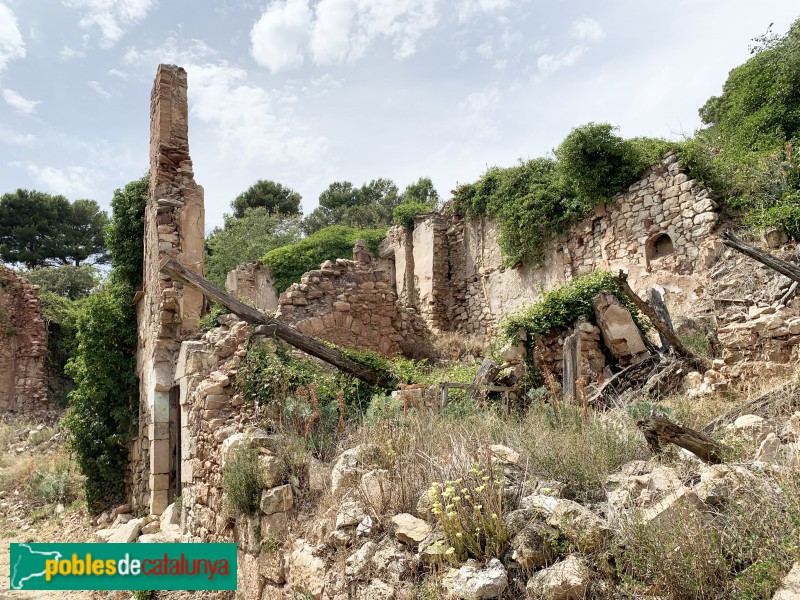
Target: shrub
[
  {"x": 469, "y": 511},
  {"x": 558, "y": 309},
  {"x": 57, "y": 482},
  {"x": 404, "y": 214},
  {"x": 104, "y": 405},
  {"x": 210, "y": 319},
  {"x": 242, "y": 482},
  {"x": 288, "y": 263},
  {"x": 597, "y": 163}
]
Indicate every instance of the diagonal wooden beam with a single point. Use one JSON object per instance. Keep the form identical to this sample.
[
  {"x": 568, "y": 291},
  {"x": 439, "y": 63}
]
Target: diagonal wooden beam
[
  {"x": 765, "y": 258},
  {"x": 282, "y": 331}
]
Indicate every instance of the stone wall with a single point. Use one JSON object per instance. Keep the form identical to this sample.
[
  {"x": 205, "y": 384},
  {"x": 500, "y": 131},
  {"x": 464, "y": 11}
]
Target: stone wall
[
  {"x": 23, "y": 345},
  {"x": 252, "y": 283},
  {"x": 660, "y": 231},
  {"x": 351, "y": 303},
  {"x": 166, "y": 312}
]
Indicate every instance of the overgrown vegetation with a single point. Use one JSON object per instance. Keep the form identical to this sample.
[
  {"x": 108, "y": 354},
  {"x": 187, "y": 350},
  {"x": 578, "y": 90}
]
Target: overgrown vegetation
[
  {"x": 242, "y": 482},
  {"x": 104, "y": 404},
  {"x": 288, "y": 263},
  {"x": 539, "y": 198},
  {"x": 469, "y": 511},
  {"x": 558, "y": 309}
]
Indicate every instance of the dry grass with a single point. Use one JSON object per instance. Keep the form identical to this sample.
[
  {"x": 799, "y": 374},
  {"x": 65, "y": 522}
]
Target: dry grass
[{"x": 742, "y": 552}]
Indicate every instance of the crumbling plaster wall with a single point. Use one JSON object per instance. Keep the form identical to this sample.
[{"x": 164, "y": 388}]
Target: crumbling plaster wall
[
  {"x": 252, "y": 282},
  {"x": 660, "y": 232},
  {"x": 23, "y": 345},
  {"x": 166, "y": 311}
]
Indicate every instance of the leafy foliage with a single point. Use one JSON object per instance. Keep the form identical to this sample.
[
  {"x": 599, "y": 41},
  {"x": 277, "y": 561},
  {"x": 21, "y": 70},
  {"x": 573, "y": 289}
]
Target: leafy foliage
[
  {"x": 68, "y": 281},
  {"x": 595, "y": 162},
  {"x": 367, "y": 207},
  {"x": 246, "y": 239},
  {"x": 37, "y": 229},
  {"x": 125, "y": 235},
  {"x": 422, "y": 192},
  {"x": 405, "y": 213},
  {"x": 558, "y": 309},
  {"x": 275, "y": 198},
  {"x": 748, "y": 151},
  {"x": 288, "y": 263},
  {"x": 104, "y": 404},
  {"x": 242, "y": 482},
  {"x": 105, "y": 401}
]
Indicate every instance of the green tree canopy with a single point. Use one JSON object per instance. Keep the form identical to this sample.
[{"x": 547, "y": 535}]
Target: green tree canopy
[
  {"x": 759, "y": 108},
  {"x": 125, "y": 233},
  {"x": 274, "y": 197},
  {"x": 366, "y": 207},
  {"x": 421, "y": 192},
  {"x": 37, "y": 229},
  {"x": 68, "y": 281},
  {"x": 246, "y": 239}
]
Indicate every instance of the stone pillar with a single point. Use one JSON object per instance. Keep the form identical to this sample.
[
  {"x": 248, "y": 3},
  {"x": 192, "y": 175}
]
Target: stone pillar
[{"x": 173, "y": 228}]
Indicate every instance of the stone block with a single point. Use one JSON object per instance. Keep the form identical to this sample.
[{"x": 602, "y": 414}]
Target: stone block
[{"x": 159, "y": 481}]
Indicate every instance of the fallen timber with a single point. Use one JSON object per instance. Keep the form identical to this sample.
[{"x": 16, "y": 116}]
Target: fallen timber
[{"x": 279, "y": 329}]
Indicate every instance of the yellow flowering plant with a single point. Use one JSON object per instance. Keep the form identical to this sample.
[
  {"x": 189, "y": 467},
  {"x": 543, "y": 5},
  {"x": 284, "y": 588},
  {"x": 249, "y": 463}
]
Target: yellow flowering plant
[{"x": 470, "y": 512}]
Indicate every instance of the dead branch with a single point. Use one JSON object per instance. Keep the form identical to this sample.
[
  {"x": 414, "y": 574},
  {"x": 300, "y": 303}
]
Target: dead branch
[{"x": 658, "y": 430}]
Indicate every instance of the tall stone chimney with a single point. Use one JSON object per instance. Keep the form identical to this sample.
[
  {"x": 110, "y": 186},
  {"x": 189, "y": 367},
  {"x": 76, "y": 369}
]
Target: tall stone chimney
[{"x": 167, "y": 312}]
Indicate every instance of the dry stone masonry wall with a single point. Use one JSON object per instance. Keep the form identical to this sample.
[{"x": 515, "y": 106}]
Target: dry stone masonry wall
[
  {"x": 351, "y": 303},
  {"x": 23, "y": 345},
  {"x": 166, "y": 312},
  {"x": 660, "y": 231}
]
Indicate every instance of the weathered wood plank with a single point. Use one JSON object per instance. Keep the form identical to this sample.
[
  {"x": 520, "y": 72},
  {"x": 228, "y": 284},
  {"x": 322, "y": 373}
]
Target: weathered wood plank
[
  {"x": 658, "y": 429},
  {"x": 281, "y": 330},
  {"x": 700, "y": 363},
  {"x": 765, "y": 258}
]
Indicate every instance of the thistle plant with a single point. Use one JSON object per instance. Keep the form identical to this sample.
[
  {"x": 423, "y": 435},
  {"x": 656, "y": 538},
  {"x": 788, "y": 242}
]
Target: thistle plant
[{"x": 470, "y": 512}]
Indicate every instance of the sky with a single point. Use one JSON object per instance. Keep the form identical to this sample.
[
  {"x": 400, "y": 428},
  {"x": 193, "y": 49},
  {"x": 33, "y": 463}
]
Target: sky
[{"x": 307, "y": 92}]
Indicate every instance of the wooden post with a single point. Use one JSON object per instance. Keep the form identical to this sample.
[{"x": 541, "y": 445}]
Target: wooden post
[
  {"x": 571, "y": 365},
  {"x": 765, "y": 258},
  {"x": 282, "y": 331},
  {"x": 622, "y": 281},
  {"x": 655, "y": 300}
]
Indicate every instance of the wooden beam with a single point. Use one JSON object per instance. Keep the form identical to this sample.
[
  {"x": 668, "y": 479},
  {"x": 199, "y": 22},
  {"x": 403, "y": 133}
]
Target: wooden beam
[
  {"x": 281, "y": 330},
  {"x": 700, "y": 363},
  {"x": 657, "y": 429},
  {"x": 765, "y": 258}
]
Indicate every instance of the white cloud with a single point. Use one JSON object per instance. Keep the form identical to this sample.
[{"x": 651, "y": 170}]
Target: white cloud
[
  {"x": 588, "y": 30},
  {"x": 337, "y": 31},
  {"x": 67, "y": 53},
  {"x": 69, "y": 181},
  {"x": 279, "y": 37},
  {"x": 12, "y": 46},
  {"x": 262, "y": 127},
  {"x": 101, "y": 91},
  {"x": 118, "y": 73},
  {"x": 112, "y": 17},
  {"x": 550, "y": 63},
  {"x": 19, "y": 103},
  {"x": 485, "y": 50},
  {"x": 467, "y": 9},
  {"x": 189, "y": 53},
  {"x": 16, "y": 139}
]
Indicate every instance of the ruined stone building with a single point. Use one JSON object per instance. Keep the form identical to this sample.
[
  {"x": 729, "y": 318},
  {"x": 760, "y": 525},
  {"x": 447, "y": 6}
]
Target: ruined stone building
[
  {"x": 23, "y": 345},
  {"x": 444, "y": 275},
  {"x": 449, "y": 273},
  {"x": 166, "y": 312}
]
